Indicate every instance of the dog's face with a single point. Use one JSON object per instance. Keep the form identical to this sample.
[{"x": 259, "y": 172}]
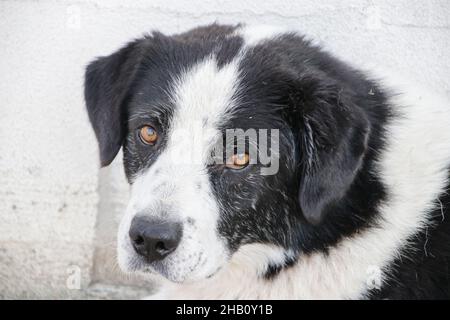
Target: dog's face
[{"x": 200, "y": 190}]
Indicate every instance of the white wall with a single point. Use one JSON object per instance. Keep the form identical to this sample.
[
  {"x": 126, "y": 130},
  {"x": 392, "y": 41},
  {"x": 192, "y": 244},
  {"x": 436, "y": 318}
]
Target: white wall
[{"x": 57, "y": 210}]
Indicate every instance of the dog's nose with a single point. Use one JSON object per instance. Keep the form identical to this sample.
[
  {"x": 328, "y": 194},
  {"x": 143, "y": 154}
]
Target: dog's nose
[{"x": 153, "y": 238}]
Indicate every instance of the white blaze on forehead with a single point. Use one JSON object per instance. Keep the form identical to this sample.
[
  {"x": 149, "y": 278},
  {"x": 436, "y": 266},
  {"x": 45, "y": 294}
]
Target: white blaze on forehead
[
  {"x": 203, "y": 96},
  {"x": 203, "y": 99}
]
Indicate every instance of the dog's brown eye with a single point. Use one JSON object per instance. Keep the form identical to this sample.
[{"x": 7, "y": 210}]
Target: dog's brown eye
[
  {"x": 148, "y": 135},
  {"x": 238, "y": 161}
]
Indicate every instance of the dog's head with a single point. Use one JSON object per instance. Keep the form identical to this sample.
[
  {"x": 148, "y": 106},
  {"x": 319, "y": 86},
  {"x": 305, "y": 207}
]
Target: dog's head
[{"x": 227, "y": 141}]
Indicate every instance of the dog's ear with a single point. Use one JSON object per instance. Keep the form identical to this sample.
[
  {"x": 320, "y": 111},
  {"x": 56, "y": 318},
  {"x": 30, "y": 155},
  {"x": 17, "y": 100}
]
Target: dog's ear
[
  {"x": 106, "y": 87},
  {"x": 333, "y": 137}
]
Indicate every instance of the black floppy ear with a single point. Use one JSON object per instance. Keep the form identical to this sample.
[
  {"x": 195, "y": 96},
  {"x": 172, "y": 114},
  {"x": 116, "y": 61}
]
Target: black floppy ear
[
  {"x": 333, "y": 140},
  {"x": 106, "y": 87}
]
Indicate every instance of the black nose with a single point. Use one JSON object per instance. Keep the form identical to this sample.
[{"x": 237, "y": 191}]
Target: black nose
[{"x": 153, "y": 238}]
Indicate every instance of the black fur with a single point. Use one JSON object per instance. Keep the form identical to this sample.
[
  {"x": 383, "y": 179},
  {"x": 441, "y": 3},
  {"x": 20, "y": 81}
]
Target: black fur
[
  {"x": 331, "y": 120},
  {"x": 330, "y": 117}
]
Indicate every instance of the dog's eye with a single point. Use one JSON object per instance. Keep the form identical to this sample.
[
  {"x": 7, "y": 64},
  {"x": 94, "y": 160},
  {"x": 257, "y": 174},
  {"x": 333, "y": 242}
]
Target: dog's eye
[
  {"x": 148, "y": 135},
  {"x": 238, "y": 161}
]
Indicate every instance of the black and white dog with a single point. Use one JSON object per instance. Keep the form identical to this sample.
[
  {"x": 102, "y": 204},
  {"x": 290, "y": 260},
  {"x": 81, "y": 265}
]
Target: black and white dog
[{"x": 355, "y": 206}]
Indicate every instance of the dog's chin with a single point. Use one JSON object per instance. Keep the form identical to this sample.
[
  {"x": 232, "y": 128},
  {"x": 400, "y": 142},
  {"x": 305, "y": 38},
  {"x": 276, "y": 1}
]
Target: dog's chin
[
  {"x": 134, "y": 264},
  {"x": 179, "y": 277}
]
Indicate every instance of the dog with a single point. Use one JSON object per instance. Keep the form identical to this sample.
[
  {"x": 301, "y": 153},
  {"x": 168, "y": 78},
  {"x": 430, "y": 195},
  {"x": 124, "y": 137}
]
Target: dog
[{"x": 354, "y": 199}]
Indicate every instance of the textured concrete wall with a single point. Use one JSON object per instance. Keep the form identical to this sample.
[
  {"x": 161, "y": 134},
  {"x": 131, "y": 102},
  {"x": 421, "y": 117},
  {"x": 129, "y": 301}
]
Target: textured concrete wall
[{"x": 58, "y": 211}]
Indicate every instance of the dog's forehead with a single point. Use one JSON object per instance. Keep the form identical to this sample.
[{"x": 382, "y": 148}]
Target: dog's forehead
[
  {"x": 205, "y": 96},
  {"x": 208, "y": 88}
]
